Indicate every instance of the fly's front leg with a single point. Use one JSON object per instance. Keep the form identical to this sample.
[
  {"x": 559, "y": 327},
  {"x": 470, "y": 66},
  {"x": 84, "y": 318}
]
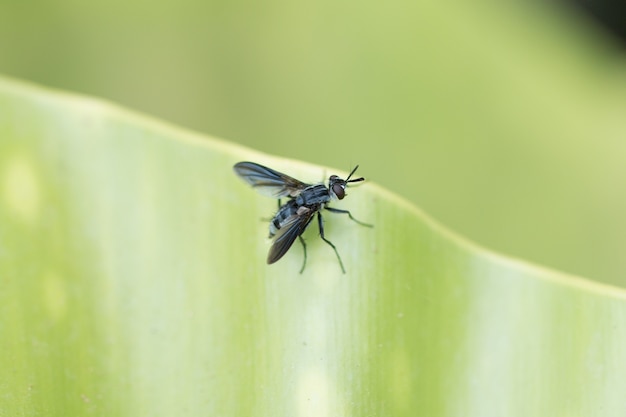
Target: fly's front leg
[
  {"x": 334, "y": 210},
  {"x": 321, "y": 227}
]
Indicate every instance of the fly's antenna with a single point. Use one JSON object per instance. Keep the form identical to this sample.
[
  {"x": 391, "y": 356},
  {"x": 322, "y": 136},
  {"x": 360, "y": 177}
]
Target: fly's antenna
[{"x": 356, "y": 179}]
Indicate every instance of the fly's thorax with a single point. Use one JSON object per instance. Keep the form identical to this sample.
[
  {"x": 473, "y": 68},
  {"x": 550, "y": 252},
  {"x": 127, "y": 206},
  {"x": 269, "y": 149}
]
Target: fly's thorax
[{"x": 315, "y": 194}]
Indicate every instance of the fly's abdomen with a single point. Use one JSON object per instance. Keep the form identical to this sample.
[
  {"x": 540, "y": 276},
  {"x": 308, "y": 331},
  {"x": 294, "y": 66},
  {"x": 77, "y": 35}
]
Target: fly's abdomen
[{"x": 284, "y": 213}]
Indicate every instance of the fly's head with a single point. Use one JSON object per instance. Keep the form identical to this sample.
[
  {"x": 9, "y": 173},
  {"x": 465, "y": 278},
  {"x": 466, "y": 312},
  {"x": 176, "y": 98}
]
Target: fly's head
[{"x": 337, "y": 186}]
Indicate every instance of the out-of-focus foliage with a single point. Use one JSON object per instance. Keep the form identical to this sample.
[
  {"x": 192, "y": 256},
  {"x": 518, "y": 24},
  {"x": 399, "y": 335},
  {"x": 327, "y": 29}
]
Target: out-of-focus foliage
[
  {"x": 133, "y": 283},
  {"x": 505, "y": 120}
]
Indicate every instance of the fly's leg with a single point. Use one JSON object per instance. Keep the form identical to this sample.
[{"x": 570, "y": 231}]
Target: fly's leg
[
  {"x": 334, "y": 210},
  {"x": 321, "y": 226},
  {"x": 269, "y": 219},
  {"x": 304, "y": 248}
]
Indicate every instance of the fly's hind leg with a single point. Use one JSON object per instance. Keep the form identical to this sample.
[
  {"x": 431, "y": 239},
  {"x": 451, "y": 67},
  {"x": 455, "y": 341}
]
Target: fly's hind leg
[
  {"x": 304, "y": 248},
  {"x": 321, "y": 227},
  {"x": 334, "y": 210}
]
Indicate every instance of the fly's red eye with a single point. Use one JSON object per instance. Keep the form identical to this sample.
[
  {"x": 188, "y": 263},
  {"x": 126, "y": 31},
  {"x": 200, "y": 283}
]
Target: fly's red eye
[{"x": 339, "y": 191}]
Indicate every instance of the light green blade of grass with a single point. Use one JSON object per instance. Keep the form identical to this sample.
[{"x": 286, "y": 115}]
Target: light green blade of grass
[{"x": 133, "y": 283}]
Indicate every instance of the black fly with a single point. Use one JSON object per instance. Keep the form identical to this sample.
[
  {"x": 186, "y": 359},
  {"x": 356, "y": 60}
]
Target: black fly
[{"x": 296, "y": 214}]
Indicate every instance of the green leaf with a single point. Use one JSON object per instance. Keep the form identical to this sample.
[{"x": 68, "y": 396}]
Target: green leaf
[{"x": 134, "y": 283}]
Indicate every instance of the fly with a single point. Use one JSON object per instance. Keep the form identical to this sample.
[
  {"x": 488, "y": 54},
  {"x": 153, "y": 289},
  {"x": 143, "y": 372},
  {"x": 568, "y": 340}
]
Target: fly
[{"x": 304, "y": 201}]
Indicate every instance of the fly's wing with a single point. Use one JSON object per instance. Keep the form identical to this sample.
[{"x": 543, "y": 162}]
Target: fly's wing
[
  {"x": 269, "y": 182},
  {"x": 293, "y": 227}
]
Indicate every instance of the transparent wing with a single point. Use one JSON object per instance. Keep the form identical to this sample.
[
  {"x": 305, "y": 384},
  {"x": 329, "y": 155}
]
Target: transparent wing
[
  {"x": 269, "y": 182},
  {"x": 293, "y": 227}
]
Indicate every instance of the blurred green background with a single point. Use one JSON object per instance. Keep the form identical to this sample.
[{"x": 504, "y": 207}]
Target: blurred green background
[{"x": 506, "y": 121}]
